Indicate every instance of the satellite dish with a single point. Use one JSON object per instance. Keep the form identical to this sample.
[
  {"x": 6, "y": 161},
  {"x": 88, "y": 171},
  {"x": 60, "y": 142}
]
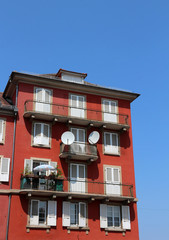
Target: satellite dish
[
  {"x": 94, "y": 137},
  {"x": 67, "y": 138}
]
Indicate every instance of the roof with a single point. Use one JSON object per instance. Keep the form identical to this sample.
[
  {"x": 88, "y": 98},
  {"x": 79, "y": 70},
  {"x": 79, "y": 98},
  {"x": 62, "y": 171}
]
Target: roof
[{"x": 3, "y": 102}]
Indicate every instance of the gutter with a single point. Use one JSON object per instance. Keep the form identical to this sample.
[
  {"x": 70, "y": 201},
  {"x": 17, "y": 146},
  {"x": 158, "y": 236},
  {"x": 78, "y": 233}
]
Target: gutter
[{"x": 13, "y": 152}]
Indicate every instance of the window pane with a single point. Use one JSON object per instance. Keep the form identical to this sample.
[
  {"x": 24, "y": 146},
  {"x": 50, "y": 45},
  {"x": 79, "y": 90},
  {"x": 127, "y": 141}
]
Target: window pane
[
  {"x": 113, "y": 104},
  {"x": 116, "y": 216},
  {"x": 1, "y": 121},
  {"x": 81, "y": 135},
  {"x": 74, "y": 100},
  {"x": 74, "y": 210},
  {"x": 39, "y": 94},
  {"x": 46, "y": 130},
  {"x": 42, "y": 212},
  {"x": 74, "y": 171},
  {"x": 114, "y": 140},
  {"x": 109, "y": 174},
  {"x": 37, "y": 129},
  {"x": 106, "y": 106},
  {"x": 82, "y": 210},
  {"x": 116, "y": 174},
  {"x": 81, "y": 100},
  {"x": 81, "y": 171},
  {"x": 107, "y": 139},
  {"x": 47, "y": 96},
  {"x": 34, "y": 208},
  {"x": 74, "y": 131}
]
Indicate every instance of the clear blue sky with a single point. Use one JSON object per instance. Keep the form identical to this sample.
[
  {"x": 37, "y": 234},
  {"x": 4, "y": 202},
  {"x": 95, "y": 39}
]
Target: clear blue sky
[{"x": 119, "y": 43}]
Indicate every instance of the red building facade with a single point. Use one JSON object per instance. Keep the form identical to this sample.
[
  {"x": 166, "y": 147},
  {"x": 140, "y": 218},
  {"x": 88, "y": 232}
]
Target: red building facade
[{"x": 91, "y": 193}]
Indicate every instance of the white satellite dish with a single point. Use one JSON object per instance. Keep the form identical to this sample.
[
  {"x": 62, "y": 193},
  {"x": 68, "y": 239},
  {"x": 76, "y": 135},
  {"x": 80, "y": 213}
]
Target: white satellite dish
[
  {"x": 67, "y": 138},
  {"x": 94, "y": 137}
]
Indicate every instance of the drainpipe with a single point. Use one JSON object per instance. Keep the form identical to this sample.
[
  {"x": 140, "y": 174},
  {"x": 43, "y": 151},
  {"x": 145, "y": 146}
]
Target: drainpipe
[{"x": 13, "y": 152}]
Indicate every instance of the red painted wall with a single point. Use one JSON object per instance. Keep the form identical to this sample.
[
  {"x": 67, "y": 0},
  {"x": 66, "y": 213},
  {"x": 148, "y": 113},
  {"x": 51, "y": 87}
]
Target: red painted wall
[{"x": 24, "y": 150}]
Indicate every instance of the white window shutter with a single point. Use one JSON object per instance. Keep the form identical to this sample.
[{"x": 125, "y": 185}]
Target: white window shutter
[
  {"x": 52, "y": 213},
  {"x": 37, "y": 133},
  {"x": 82, "y": 214},
  {"x": 66, "y": 214},
  {"x": 28, "y": 165},
  {"x": 4, "y": 170},
  {"x": 34, "y": 212},
  {"x": 126, "y": 217},
  {"x": 103, "y": 216},
  {"x": 1, "y": 129},
  {"x": 108, "y": 174}
]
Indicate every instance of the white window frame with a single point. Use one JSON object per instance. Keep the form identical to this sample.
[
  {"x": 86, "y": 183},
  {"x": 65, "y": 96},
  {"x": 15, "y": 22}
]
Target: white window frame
[
  {"x": 81, "y": 221},
  {"x": 124, "y": 214},
  {"x": 77, "y": 111},
  {"x": 50, "y": 213},
  {"x": 42, "y": 106},
  {"x": 4, "y": 173},
  {"x": 41, "y": 140},
  {"x": 77, "y": 184},
  {"x": 3, "y": 128},
  {"x": 109, "y": 116},
  {"x": 112, "y": 187},
  {"x": 111, "y": 149}
]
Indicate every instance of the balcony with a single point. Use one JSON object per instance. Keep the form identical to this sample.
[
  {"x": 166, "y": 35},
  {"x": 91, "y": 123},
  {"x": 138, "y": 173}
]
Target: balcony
[
  {"x": 91, "y": 190},
  {"x": 79, "y": 151},
  {"x": 84, "y": 117}
]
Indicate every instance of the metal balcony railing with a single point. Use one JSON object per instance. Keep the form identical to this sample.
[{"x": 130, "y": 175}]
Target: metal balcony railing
[
  {"x": 83, "y": 151},
  {"x": 78, "y": 187},
  {"x": 56, "y": 110}
]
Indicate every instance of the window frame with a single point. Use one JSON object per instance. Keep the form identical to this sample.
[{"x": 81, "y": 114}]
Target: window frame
[
  {"x": 35, "y": 98},
  {"x": 84, "y": 104},
  {"x": 33, "y": 144},
  {"x": 2, "y": 141},
  {"x": 104, "y": 141},
  {"x": 116, "y": 106},
  {"x": 47, "y": 220}
]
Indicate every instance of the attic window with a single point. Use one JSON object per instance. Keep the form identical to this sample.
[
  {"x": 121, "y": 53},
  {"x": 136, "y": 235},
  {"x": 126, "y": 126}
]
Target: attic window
[{"x": 72, "y": 78}]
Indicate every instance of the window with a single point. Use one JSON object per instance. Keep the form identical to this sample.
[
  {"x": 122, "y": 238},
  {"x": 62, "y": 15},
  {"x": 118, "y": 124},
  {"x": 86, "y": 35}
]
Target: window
[
  {"x": 41, "y": 134},
  {"x": 37, "y": 183},
  {"x": 77, "y": 104},
  {"x": 4, "y": 169},
  {"x": 110, "y": 217},
  {"x": 74, "y": 214},
  {"x": 2, "y": 130},
  {"x": 43, "y": 100},
  {"x": 110, "y": 111},
  {"x": 111, "y": 143},
  {"x": 79, "y": 144},
  {"x": 77, "y": 177},
  {"x": 43, "y": 213},
  {"x": 112, "y": 176}
]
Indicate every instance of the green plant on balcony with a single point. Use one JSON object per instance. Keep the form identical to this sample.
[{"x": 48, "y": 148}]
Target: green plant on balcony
[
  {"x": 56, "y": 174},
  {"x": 26, "y": 172}
]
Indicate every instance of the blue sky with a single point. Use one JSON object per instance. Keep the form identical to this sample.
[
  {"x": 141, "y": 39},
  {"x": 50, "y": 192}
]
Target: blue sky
[{"x": 122, "y": 44}]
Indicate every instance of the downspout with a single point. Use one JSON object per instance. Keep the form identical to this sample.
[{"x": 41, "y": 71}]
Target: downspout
[{"x": 13, "y": 152}]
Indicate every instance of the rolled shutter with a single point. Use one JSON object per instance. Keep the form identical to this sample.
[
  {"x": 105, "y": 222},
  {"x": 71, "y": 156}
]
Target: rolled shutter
[
  {"x": 52, "y": 213},
  {"x": 103, "y": 216},
  {"x": 66, "y": 214},
  {"x": 4, "y": 171},
  {"x": 28, "y": 165},
  {"x": 126, "y": 217},
  {"x": 82, "y": 214}
]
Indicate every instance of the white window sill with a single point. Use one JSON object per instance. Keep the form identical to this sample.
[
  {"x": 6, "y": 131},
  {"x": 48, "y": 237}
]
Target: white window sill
[
  {"x": 41, "y": 146},
  {"x": 78, "y": 228},
  {"x": 38, "y": 226},
  {"x": 110, "y": 229},
  {"x": 111, "y": 153}
]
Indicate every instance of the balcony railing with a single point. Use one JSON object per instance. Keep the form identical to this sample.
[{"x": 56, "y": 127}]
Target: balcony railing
[
  {"x": 82, "y": 116},
  {"x": 77, "y": 188},
  {"x": 81, "y": 151}
]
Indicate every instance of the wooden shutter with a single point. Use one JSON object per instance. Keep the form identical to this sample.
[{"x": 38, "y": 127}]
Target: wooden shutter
[
  {"x": 103, "y": 216},
  {"x": 82, "y": 214},
  {"x": 34, "y": 213},
  {"x": 66, "y": 214},
  {"x": 1, "y": 129},
  {"x": 52, "y": 213},
  {"x": 28, "y": 165},
  {"x": 126, "y": 217},
  {"x": 4, "y": 170}
]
